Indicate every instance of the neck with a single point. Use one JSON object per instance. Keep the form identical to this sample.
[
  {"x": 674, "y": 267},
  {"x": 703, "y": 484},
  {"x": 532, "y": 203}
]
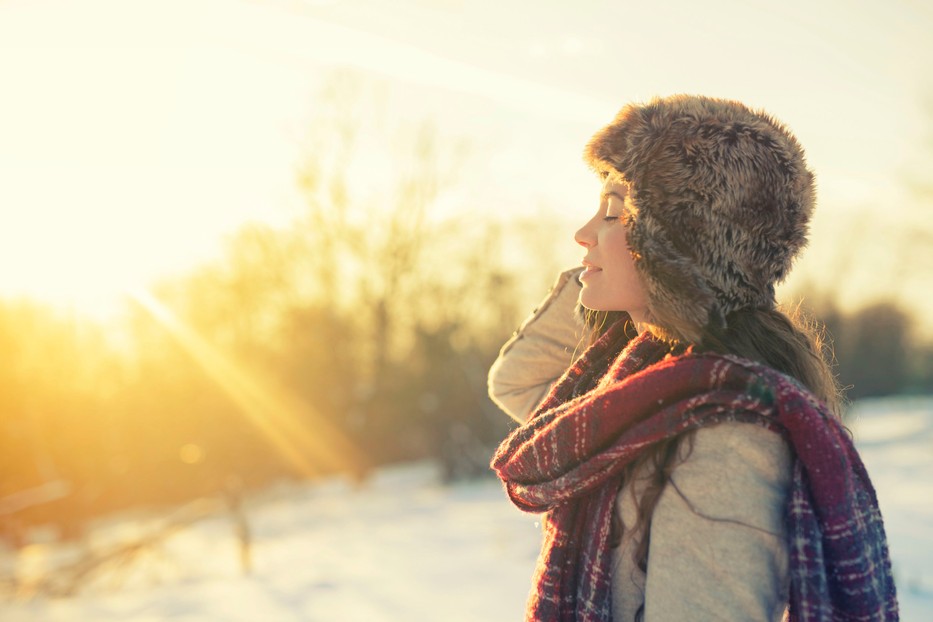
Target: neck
[{"x": 640, "y": 321}]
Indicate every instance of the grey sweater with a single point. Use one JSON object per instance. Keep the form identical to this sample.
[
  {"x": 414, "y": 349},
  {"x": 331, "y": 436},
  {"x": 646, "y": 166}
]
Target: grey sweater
[{"x": 718, "y": 549}]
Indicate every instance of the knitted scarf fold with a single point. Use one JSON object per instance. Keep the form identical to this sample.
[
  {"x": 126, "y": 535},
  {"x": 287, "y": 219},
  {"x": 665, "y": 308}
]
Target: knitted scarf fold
[{"x": 624, "y": 395}]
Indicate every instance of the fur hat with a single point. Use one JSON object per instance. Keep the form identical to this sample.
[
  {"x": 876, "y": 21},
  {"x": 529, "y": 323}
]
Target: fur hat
[{"x": 722, "y": 198}]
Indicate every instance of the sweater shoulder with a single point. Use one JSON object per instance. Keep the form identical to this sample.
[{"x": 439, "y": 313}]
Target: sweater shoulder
[
  {"x": 732, "y": 471},
  {"x": 738, "y": 472}
]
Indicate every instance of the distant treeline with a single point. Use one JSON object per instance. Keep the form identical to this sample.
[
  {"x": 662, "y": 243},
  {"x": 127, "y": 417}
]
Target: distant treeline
[
  {"x": 237, "y": 371},
  {"x": 243, "y": 373},
  {"x": 877, "y": 351},
  {"x": 357, "y": 336}
]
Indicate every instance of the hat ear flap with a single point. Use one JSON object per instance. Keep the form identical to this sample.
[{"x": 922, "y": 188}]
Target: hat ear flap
[{"x": 680, "y": 301}]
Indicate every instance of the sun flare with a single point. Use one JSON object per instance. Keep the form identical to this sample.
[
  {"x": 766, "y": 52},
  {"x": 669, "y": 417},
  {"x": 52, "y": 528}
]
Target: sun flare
[{"x": 305, "y": 439}]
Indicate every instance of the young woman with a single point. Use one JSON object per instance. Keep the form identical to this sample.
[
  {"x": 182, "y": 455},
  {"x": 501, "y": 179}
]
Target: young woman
[{"x": 690, "y": 462}]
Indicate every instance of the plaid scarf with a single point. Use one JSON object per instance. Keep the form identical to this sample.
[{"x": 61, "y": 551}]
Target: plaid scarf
[{"x": 624, "y": 395}]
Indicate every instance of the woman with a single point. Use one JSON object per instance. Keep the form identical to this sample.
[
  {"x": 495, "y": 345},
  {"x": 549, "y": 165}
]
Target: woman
[{"x": 690, "y": 463}]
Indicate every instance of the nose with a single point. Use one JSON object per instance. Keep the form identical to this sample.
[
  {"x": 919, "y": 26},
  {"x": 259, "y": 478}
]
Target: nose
[{"x": 586, "y": 235}]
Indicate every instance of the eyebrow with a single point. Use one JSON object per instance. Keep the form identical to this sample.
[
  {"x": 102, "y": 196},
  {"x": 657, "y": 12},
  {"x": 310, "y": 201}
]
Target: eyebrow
[{"x": 612, "y": 193}]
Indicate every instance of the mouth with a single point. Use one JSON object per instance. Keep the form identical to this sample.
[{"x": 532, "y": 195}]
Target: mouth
[{"x": 589, "y": 270}]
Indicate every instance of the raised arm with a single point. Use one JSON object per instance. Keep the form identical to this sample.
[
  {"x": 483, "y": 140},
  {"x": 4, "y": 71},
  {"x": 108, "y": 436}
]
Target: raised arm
[{"x": 539, "y": 351}]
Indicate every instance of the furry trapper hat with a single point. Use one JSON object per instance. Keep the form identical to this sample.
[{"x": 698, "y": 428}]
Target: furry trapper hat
[{"x": 722, "y": 198}]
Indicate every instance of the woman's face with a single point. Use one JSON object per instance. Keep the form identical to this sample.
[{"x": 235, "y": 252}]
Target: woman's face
[{"x": 610, "y": 280}]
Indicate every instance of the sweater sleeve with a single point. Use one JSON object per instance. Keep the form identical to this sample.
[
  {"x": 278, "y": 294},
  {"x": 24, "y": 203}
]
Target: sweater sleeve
[
  {"x": 718, "y": 546},
  {"x": 539, "y": 351}
]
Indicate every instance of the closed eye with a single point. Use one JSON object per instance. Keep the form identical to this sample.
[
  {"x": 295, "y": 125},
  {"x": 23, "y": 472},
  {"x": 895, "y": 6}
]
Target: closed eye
[{"x": 615, "y": 207}]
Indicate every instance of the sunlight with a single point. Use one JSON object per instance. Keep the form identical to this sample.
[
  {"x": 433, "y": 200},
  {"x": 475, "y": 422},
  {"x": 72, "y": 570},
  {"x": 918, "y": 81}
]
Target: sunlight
[
  {"x": 190, "y": 453},
  {"x": 309, "y": 443},
  {"x": 136, "y": 135},
  {"x": 131, "y": 143}
]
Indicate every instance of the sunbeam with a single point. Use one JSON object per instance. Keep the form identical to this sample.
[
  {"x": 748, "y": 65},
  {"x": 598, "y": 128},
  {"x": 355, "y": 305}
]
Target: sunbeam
[{"x": 303, "y": 437}]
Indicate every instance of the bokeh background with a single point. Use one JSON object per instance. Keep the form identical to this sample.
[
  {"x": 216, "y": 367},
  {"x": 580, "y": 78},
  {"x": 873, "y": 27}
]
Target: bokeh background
[{"x": 255, "y": 243}]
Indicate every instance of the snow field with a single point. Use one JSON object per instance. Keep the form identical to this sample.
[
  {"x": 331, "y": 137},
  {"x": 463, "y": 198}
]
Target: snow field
[{"x": 404, "y": 548}]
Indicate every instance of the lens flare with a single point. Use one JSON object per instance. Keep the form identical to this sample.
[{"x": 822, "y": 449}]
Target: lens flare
[{"x": 310, "y": 444}]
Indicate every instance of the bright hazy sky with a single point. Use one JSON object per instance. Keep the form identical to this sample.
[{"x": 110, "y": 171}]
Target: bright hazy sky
[{"x": 135, "y": 134}]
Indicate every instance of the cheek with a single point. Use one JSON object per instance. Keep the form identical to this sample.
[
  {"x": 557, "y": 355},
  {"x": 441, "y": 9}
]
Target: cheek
[
  {"x": 624, "y": 274},
  {"x": 617, "y": 249}
]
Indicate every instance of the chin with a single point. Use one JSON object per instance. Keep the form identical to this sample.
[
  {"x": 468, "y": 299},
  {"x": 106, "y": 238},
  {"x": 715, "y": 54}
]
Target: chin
[{"x": 593, "y": 303}]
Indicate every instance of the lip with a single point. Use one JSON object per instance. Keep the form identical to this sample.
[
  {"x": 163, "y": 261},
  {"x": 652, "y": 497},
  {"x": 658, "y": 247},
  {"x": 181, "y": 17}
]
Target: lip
[{"x": 589, "y": 270}]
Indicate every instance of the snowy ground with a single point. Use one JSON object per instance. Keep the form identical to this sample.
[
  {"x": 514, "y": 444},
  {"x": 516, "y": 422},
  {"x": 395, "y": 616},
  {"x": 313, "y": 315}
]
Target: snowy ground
[
  {"x": 405, "y": 548},
  {"x": 895, "y": 438}
]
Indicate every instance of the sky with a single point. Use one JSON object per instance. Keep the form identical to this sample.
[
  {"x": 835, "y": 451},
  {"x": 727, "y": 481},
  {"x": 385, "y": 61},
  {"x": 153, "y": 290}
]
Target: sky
[{"x": 135, "y": 134}]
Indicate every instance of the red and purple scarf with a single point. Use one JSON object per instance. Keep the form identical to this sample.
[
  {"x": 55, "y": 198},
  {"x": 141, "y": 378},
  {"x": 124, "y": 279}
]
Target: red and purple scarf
[{"x": 567, "y": 461}]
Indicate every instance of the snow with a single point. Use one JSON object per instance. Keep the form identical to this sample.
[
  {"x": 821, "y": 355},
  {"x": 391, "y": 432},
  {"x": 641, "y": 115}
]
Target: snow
[
  {"x": 400, "y": 547},
  {"x": 895, "y": 439},
  {"x": 404, "y": 547}
]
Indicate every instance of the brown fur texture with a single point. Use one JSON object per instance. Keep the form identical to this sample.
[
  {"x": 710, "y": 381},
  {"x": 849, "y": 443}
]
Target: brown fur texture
[{"x": 722, "y": 198}]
